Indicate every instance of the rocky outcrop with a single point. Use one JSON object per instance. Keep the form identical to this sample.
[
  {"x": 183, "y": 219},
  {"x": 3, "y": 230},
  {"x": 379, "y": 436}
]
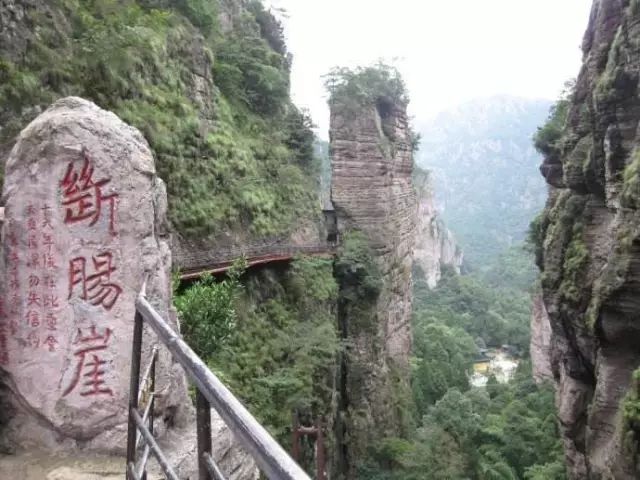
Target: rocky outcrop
[
  {"x": 372, "y": 192},
  {"x": 435, "y": 244},
  {"x": 589, "y": 250},
  {"x": 540, "y": 343}
]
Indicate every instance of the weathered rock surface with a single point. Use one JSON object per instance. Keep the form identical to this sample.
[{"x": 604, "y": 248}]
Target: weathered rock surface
[
  {"x": 235, "y": 463},
  {"x": 37, "y": 465},
  {"x": 372, "y": 192},
  {"x": 590, "y": 250},
  {"x": 540, "y": 344},
  {"x": 435, "y": 244},
  {"x": 84, "y": 228}
]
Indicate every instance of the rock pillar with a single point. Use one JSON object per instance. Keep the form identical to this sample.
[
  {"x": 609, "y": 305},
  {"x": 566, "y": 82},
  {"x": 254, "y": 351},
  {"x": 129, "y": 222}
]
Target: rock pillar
[{"x": 372, "y": 191}]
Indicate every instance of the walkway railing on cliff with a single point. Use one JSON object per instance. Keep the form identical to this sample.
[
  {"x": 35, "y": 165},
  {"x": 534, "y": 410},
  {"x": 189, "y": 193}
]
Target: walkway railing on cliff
[
  {"x": 254, "y": 255},
  {"x": 270, "y": 457}
]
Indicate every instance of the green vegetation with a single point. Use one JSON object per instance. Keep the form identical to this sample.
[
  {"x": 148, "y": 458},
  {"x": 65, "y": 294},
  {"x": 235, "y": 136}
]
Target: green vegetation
[
  {"x": 367, "y": 85},
  {"x": 208, "y": 311},
  {"x": 280, "y": 355},
  {"x": 548, "y": 137},
  {"x": 443, "y": 358},
  {"x": 502, "y": 432},
  {"x": 576, "y": 260},
  {"x": 360, "y": 283},
  {"x": 562, "y": 231},
  {"x": 495, "y": 314},
  {"x": 631, "y": 418},
  {"x": 280, "y": 346},
  {"x": 536, "y": 235},
  {"x": 233, "y": 150},
  {"x": 379, "y": 86},
  {"x": 631, "y": 183},
  {"x": 271, "y": 339}
]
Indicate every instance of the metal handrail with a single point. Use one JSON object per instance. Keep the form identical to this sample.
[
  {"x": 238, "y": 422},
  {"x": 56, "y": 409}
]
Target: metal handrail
[{"x": 270, "y": 457}]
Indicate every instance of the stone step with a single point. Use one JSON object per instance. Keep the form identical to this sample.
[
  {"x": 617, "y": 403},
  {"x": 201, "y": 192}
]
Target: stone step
[{"x": 32, "y": 465}]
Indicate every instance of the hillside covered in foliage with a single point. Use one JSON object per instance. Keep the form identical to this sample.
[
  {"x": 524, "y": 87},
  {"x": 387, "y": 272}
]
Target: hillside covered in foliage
[{"x": 206, "y": 81}]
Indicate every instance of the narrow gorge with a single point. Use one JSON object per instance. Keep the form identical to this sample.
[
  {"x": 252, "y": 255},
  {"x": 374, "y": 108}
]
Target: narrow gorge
[{"x": 358, "y": 275}]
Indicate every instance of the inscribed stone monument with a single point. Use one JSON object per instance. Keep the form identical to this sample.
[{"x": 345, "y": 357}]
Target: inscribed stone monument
[{"x": 84, "y": 229}]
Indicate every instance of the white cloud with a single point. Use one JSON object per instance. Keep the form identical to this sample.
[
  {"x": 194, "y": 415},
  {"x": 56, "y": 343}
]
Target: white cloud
[{"x": 448, "y": 51}]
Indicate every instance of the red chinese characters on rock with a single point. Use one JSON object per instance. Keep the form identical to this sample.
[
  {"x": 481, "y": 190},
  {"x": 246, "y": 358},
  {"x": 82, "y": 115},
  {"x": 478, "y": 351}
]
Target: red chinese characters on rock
[
  {"x": 83, "y": 197},
  {"x": 4, "y": 328},
  {"x": 95, "y": 287},
  {"x": 13, "y": 306},
  {"x": 90, "y": 368},
  {"x": 33, "y": 296},
  {"x": 87, "y": 202},
  {"x": 40, "y": 300}
]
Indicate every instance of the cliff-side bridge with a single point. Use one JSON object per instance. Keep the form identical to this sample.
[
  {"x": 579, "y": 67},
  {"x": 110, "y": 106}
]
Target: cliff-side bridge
[{"x": 194, "y": 264}]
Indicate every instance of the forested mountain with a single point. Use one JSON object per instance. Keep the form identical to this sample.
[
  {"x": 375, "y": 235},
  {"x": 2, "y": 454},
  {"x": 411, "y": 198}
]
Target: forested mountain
[{"x": 485, "y": 170}]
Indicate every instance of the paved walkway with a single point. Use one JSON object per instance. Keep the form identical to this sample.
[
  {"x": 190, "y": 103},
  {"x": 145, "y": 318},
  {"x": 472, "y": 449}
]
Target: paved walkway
[{"x": 40, "y": 466}]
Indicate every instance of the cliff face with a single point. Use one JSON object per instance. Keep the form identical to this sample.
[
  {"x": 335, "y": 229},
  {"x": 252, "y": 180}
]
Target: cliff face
[
  {"x": 540, "y": 344},
  {"x": 372, "y": 192},
  {"x": 435, "y": 244},
  {"x": 589, "y": 250}
]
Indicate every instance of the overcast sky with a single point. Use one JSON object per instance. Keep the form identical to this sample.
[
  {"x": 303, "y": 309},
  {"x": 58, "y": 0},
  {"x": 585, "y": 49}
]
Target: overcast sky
[{"x": 449, "y": 51}]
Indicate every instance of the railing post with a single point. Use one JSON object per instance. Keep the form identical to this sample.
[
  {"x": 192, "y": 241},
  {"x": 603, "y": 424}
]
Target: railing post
[
  {"x": 203, "y": 419},
  {"x": 320, "y": 453},
  {"x": 152, "y": 399},
  {"x": 295, "y": 437},
  {"x": 134, "y": 387},
  {"x": 152, "y": 390}
]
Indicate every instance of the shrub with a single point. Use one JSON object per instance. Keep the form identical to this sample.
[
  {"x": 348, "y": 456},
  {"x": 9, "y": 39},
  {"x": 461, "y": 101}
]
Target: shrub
[
  {"x": 547, "y": 139},
  {"x": 380, "y": 85},
  {"x": 208, "y": 311}
]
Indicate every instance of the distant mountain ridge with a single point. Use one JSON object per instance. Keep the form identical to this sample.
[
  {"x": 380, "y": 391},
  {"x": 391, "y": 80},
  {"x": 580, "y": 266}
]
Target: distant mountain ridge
[{"x": 485, "y": 171}]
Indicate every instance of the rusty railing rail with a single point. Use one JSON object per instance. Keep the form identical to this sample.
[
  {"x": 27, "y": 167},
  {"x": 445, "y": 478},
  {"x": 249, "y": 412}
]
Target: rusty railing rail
[{"x": 269, "y": 456}]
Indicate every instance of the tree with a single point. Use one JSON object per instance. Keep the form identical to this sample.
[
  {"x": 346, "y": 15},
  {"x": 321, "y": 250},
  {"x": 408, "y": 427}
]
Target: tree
[{"x": 443, "y": 360}]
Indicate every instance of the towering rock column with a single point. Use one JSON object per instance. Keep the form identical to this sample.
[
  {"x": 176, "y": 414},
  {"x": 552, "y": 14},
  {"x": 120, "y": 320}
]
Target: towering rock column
[
  {"x": 589, "y": 251},
  {"x": 84, "y": 229},
  {"x": 372, "y": 191}
]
